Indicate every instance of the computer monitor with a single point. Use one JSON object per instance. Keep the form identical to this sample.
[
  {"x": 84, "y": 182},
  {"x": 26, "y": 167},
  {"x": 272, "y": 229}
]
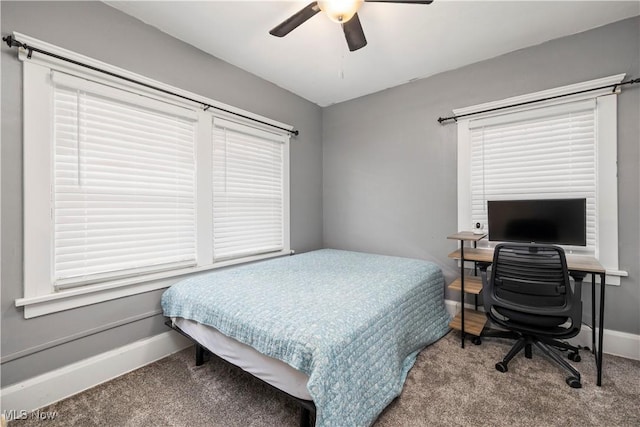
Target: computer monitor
[{"x": 554, "y": 221}]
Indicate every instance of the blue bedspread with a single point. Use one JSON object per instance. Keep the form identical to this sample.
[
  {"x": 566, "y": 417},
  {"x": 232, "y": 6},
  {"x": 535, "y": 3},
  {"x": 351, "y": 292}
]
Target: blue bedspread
[{"x": 353, "y": 322}]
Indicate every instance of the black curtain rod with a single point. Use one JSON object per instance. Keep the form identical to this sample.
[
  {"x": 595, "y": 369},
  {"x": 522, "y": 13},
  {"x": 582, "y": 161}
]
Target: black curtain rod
[
  {"x": 11, "y": 42},
  {"x": 614, "y": 86}
]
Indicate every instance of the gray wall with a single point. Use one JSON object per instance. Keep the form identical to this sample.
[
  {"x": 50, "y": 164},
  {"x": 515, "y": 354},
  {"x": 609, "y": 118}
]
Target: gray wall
[
  {"x": 101, "y": 32},
  {"x": 390, "y": 182}
]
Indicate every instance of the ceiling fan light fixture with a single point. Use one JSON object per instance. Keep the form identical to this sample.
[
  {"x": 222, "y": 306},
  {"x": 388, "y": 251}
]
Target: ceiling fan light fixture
[{"x": 340, "y": 11}]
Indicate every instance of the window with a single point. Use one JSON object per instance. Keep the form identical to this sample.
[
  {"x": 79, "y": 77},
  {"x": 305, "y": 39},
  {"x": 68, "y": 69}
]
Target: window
[
  {"x": 546, "y": 153},
  {"x": 562, "y": 148},
  {"x": 248, "y": 204},
  {"x": 127, "y": 188},
  {"x": 124, "y": 184}
]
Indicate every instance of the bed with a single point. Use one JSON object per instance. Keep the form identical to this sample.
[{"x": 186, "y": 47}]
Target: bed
[{"x": 336, "y": 328}]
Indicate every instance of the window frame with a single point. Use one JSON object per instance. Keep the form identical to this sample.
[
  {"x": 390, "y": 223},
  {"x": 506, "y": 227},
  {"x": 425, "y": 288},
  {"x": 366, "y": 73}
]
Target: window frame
[
  {"x": 40, "y": 296},
  {"x": 606, "y": 157}
]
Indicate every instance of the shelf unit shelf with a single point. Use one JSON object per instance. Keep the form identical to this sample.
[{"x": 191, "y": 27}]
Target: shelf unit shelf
[
  {"x": 472, "y": 285},
  {"x": 474, "y": 254},
  {"x": 474, "y": 322}
]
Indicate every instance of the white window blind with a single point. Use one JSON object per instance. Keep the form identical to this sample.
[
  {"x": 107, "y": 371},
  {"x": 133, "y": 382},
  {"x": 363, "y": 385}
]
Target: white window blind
[
  {"x": 248, "y": 191},
  {"x": 124, "y": 184},
  {"x": 547, "y": 153}
]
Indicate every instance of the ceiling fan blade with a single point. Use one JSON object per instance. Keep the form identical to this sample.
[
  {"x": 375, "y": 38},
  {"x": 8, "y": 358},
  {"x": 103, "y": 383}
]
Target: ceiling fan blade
[
  {"x": 401, "y": 1},
  {"x": 354, "y": 34},
  {"x": 295, "y": 20}
]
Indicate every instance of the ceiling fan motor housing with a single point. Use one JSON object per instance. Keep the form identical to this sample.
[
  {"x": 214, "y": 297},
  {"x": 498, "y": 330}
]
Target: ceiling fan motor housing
[{"x": 340, "y": 11}]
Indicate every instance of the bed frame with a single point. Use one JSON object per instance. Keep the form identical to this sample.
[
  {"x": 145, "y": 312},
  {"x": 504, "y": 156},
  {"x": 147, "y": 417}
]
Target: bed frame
[{"x": 307, "y": 407}]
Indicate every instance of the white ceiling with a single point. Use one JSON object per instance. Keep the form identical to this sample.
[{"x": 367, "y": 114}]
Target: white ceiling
[{"x": 405, "y": 42}]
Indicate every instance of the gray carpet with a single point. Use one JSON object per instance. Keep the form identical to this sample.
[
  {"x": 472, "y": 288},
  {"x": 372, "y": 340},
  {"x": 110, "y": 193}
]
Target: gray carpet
[{"x": 448, "y": 386}]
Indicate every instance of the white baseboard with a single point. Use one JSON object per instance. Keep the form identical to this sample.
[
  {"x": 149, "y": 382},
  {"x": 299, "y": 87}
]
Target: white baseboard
[
  {"x": 59, "y": 384},
  {"x": 615, "y": 342}
]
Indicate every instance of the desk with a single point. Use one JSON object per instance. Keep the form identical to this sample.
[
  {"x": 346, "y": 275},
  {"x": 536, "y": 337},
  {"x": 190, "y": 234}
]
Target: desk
[{"x": 579, "y": 266}]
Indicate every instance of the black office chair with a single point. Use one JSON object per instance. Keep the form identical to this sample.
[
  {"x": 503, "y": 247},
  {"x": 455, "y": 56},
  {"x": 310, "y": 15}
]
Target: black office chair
[{"x": 530, "y": 294}]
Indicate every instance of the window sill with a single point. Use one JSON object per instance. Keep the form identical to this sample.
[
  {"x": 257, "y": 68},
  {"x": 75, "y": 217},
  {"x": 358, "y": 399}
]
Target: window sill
[
  {"x": 92, "y": 294},
  {"x": 613, "y": 277}
]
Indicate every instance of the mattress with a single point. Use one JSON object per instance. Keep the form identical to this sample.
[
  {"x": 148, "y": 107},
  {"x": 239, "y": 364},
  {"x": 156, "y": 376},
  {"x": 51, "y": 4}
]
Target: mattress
[
  {"x": 272, "y": 371},
  {"x": 353, "y": 322}
]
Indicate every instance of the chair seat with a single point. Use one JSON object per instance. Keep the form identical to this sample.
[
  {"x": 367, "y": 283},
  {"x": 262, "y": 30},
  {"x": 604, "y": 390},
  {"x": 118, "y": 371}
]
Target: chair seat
[{"x": 541, "y": 322}]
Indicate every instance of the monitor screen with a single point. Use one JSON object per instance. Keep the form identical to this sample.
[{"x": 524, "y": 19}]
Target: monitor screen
[{"x": 555, "y": 221}]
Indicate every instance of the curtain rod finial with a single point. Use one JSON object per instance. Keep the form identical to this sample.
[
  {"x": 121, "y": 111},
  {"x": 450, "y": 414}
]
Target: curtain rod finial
[{"x": 11, "y": 42}]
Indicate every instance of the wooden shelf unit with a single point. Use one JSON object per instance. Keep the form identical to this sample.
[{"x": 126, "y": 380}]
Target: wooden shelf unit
[{"x": 467, "y": 320}]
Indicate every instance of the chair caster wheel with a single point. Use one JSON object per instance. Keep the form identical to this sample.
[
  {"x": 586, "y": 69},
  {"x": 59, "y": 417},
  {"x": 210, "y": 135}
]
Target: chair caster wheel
[
  {"x": 574, "y": 357},
  {"x": 573, "y": 382},
  {"x": 476, "y": 340},
  {"x": 502, "y": 367}
]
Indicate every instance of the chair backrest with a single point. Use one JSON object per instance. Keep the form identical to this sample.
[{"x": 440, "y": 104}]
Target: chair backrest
[{"x": 530, "y": 287}]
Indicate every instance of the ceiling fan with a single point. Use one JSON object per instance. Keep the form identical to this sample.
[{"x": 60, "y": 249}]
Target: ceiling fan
[{"x": 343, "y": 12}]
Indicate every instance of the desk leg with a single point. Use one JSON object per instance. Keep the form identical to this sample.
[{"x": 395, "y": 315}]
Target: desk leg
[
  {"x": 462, "y": 292},
  {"x": 603, "y": 285},
  {"x": 593, "y": 316},
  {"x": 597, "y": 322}
]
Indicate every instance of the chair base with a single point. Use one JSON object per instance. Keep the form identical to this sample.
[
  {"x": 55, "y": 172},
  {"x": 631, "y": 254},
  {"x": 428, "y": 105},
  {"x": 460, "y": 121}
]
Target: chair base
[{"x": 545, "y": 345}]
